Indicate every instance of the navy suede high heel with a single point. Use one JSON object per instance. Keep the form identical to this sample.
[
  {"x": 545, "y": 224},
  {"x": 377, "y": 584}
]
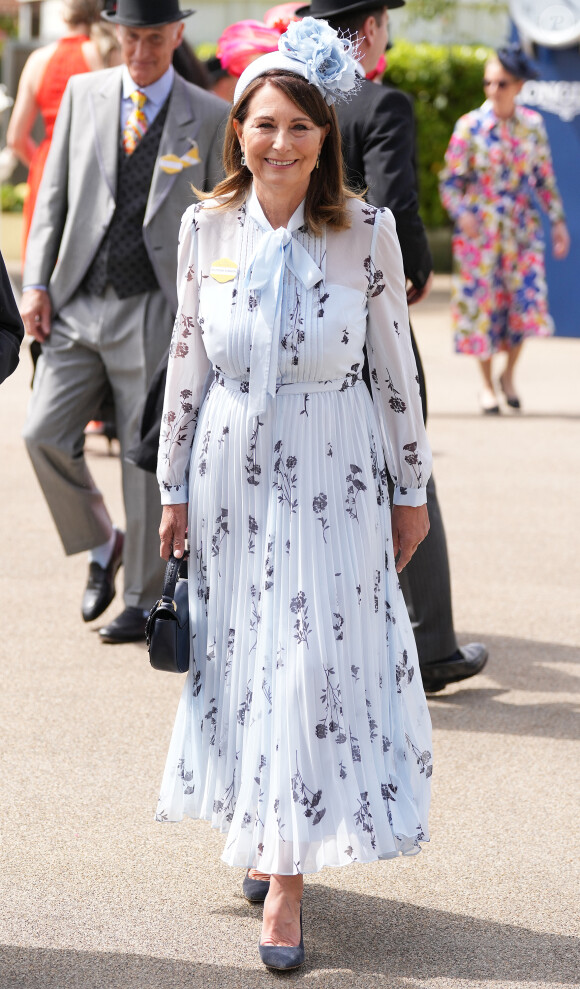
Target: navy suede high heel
[
  {"x": 282, "y": 957},
  {"x": 255, "y": 890}
]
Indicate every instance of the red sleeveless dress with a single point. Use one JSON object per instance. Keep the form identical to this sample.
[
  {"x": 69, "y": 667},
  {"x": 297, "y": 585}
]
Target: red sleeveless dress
[{"x": 68, "y": 60}]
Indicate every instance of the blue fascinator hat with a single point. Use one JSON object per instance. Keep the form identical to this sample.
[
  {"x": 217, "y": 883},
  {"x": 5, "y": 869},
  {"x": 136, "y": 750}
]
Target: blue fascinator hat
[
  {"x": 516, "y": 62},
  {"x": 312, "y": 49}
]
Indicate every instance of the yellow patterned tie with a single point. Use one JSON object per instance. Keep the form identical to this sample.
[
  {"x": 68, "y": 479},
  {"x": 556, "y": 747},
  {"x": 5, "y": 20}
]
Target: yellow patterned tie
[{"x": 136, "y": 126}]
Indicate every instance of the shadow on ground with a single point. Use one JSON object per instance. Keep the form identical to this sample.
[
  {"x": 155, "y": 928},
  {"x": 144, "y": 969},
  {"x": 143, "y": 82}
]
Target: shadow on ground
[
  {"x": 363, "y": 940},
  {"x": 520, "y": 666}
]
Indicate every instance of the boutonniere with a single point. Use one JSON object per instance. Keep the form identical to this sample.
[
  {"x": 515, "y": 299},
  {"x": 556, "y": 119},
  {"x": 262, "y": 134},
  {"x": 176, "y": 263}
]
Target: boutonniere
[{"x": 172, "y": 164}]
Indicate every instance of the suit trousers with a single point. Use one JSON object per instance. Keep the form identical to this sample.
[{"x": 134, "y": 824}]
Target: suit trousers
[
  {"x": 97, "y": 342},
  {"x": 426, "y": 587}
]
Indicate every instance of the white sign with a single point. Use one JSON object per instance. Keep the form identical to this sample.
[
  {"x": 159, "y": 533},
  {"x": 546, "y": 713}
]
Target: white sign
[{"x": 561, "y": 98}]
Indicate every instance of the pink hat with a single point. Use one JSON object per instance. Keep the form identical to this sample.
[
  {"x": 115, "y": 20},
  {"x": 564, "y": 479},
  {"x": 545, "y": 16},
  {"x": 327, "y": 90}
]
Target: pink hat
[
  {"x": 280, "y": 16},
  {"x": 242, "y": 42}
]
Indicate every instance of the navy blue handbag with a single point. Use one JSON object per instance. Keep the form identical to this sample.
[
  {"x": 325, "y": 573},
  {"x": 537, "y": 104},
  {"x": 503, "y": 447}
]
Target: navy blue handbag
[{"x": 167, "y": 627}]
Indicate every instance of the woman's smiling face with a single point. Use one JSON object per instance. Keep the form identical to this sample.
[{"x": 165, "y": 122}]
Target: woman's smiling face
[{"x": 281, "y": 143}]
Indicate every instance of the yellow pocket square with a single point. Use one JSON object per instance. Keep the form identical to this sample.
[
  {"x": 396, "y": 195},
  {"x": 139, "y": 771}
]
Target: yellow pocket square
[{"x": 171, "y": 164}]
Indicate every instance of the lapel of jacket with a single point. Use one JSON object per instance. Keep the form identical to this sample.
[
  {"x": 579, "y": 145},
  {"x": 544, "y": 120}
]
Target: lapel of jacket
[
  {"x": 179, "y": 132},
  {"x": 104, "y": 103}
]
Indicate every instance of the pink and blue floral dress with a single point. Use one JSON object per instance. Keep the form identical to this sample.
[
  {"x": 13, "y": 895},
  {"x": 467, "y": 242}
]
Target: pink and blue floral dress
[{"x": 499, "y": 170}]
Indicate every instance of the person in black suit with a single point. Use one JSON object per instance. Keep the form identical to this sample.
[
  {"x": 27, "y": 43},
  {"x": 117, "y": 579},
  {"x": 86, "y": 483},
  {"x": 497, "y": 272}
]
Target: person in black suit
[
  {"x": 378, "y": 135},
  {"x": 11, "y": 327}
]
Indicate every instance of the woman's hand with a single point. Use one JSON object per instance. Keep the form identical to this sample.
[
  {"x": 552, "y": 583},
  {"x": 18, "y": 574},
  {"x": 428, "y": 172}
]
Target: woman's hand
[
  {"x": 468, "y": 224},
  {"x": 560, "y": 240},
  {"x": 410, "y": 526},
  {"x": 172, "y": 530}
]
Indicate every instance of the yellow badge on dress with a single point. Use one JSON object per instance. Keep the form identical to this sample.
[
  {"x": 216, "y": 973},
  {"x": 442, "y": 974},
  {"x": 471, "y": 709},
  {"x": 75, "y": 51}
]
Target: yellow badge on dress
[{"x": 223, "y": 270}]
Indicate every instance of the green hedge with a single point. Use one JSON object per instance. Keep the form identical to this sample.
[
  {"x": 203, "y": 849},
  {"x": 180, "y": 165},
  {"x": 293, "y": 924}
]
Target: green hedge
[
  {"x": 12, "y": 197},
  {"x": 445, "y": 82}
]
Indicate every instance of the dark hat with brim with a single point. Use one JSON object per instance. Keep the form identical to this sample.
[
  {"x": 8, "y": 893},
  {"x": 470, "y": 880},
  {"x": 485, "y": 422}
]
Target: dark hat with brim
[
  {"x": 145, "y": 13},
  {"x": 333, "y": 8},
  {"x": 516, "y": 62}
]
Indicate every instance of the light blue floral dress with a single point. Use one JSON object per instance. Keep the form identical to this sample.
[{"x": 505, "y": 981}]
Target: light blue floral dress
[{"x": 303, "y": 731}]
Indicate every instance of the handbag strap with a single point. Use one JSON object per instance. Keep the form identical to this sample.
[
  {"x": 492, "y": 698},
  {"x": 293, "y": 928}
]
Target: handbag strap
[{"x": 172, "y": 573}]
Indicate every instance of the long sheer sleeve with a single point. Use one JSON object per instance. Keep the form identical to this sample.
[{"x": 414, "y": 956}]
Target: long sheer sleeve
[
  {"x": 394, "y": 378},
  {"x": 186, "y": 372}
]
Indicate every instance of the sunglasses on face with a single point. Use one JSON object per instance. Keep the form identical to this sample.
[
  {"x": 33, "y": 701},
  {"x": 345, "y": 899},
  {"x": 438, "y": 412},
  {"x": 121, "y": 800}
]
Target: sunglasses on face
[{"x": 500, "y": 83}]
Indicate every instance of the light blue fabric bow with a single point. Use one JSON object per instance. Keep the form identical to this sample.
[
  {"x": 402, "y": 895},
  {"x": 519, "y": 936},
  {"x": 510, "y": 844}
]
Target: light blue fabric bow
[{"x": 276, "y": 250}]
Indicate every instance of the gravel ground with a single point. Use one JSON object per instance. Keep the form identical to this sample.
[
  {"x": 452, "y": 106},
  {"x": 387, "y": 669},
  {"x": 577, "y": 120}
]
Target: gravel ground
[{"x": 95, "y": 894}]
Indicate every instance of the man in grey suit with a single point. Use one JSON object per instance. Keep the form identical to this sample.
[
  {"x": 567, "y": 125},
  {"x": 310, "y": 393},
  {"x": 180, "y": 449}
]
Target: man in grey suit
[{"x": 99, "y": 287}]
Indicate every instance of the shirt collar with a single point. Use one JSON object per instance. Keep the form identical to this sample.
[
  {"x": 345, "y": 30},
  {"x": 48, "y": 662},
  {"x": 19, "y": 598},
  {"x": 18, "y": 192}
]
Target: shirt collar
[
  {"x": 157, "y": 92},
  {"x": 257, "y": 214},
  {"x": 491, "y": 120}
]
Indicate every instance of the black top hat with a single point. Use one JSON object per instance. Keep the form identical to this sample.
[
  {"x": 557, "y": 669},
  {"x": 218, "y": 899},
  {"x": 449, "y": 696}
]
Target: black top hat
[
  {"x": 145, "y": 13},
  {"x": 335, "y": 8}
]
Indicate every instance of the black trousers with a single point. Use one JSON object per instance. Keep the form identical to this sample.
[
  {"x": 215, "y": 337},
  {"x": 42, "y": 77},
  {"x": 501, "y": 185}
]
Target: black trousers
[{"x": 425, "y": 581}]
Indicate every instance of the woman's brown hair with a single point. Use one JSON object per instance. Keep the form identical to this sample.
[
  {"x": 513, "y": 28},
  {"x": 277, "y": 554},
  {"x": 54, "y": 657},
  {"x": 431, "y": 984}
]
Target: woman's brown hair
[{"x": 327, "y": 195}]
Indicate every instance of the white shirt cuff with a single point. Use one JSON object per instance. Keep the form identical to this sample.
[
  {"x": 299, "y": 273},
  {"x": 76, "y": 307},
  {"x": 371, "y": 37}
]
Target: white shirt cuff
[
  {"x": 414, "y": 497},
  {"x": 175, "y": 496}
]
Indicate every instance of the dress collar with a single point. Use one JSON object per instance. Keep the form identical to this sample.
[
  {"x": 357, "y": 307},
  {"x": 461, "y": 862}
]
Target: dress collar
[
  {"x": 491, "y": 120},
  {"x": 257, "y": 213}
]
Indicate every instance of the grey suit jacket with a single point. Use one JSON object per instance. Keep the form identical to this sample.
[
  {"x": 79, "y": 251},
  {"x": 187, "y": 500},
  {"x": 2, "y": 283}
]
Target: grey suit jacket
[{"x": 76, "y": 199}]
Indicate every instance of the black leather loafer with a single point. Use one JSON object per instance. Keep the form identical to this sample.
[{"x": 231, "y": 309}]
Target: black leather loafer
[
  {"x": 283, "y": 958},
  {"x": 100, "y": 589},
  {"x": 255, "y": 890},
  {"x": 464, "y": 663},
  {"x": 129, "y": 626}
]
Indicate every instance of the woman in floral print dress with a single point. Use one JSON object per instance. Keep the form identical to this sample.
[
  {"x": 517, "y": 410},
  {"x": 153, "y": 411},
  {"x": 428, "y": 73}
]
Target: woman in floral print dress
[
  {"x": 303, "y": 732},
  {"x": 497, "y": 166}
]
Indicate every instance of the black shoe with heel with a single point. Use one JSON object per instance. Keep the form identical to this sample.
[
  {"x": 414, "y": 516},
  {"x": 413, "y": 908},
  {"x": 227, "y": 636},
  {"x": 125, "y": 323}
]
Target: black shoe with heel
[
  {"x": 255, "y": 890},
  {"x": 283, "y": 957}
]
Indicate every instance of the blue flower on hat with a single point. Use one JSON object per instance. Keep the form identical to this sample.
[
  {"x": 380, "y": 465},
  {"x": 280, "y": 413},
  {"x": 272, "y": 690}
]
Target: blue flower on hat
[{"x": 327, "y": 58}]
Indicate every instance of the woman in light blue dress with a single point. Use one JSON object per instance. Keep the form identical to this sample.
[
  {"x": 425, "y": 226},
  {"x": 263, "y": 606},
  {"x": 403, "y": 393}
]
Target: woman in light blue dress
[{"x": 302, "y": 732}]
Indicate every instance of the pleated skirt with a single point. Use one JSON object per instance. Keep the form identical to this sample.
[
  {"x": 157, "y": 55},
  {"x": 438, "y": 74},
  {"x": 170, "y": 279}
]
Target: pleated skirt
[{"x": 302, "y": 732}]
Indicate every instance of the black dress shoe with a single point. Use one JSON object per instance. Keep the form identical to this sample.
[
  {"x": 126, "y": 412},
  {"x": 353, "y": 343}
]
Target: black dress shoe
[
  {"x": 255, "y": 890},
  {"x": 129, "y": 626},
  {"x": 465, "y": 662},
  {"x": 100, "y": 589}
]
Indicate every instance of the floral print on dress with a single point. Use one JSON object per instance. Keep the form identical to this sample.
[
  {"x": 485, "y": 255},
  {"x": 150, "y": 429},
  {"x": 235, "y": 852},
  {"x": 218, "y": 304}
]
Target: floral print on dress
[
  {"x": 299, "y": 708},
  {"x": 499, "y": 171}
]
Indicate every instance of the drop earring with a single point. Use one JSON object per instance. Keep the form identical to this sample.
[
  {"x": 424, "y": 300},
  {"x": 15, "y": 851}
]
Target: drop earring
[
  {"x": 243, "y": 158},
  {"x": 318, "y": 160}
]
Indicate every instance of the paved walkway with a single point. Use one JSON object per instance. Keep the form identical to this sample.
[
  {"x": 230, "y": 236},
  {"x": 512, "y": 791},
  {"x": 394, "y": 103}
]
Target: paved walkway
[{"x": 95, "y": 895}]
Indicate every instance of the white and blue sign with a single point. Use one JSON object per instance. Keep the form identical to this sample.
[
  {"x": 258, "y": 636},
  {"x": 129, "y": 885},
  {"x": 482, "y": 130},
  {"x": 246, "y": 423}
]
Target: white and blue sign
[{"x": 550, "y": 31}]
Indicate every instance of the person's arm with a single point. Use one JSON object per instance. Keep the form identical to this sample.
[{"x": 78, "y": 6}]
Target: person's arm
[
  {"x": 25, "y": 109},
  {"x": 390, "y": 175},
  {"x": 186, "y": 372},
  {"x": 395, "y": 389},
  {"x": 47, "y": 226},
  {"x": 455, "y": 175},
  {"x": 548, "y": 193},
  {"x": 11, "y": 328}
]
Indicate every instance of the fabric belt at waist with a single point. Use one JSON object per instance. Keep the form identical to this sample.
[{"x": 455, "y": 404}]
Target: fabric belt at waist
[{"x": 242, "y": 385}]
